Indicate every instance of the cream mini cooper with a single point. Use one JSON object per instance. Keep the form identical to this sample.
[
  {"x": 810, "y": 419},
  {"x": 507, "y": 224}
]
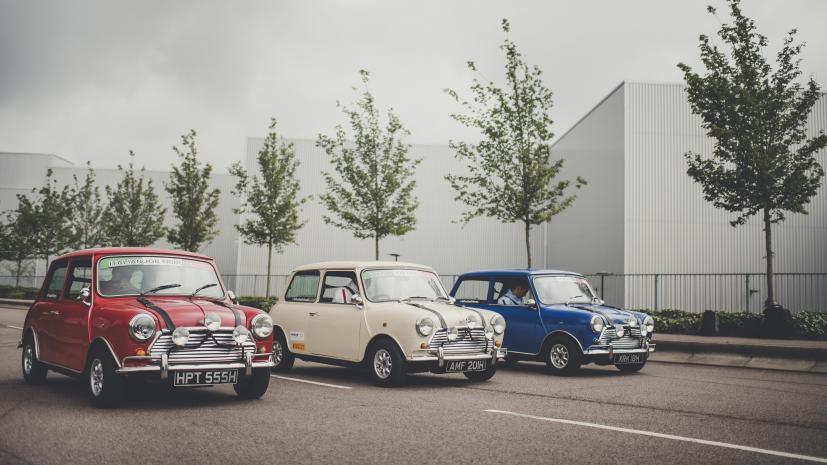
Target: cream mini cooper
[{"x": 393, "y": 318}]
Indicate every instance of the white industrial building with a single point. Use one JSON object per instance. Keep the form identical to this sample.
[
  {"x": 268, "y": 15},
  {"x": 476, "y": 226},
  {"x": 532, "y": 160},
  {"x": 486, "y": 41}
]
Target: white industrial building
[{"x": 640, "y": 214}]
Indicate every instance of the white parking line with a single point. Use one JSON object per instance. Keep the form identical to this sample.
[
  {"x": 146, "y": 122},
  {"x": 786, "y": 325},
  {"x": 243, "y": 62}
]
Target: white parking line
[
  {"x": 13, "y": 327},
  {"x": 777, "y": 453},
  {"x": 312, "y": 382}
]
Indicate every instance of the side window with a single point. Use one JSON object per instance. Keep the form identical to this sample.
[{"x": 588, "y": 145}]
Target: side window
[
  {"x": 54, "y": 283},
  {"x": 80, "y": 276},
  {"x": 339, "y": 287},
  {"x": 303, "y": 287},
  {"x": 472, "y": 290},
  {"x": 511, "y": 291}
]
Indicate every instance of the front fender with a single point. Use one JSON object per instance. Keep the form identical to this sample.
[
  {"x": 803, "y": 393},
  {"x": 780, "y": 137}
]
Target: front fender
[{"x": 571, "y": 321}]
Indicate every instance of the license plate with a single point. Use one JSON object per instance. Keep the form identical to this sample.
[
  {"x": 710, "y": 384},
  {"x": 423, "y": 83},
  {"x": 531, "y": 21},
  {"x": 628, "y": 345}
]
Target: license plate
[
  {"x": 205, "y": 378},
  {"x": 627, "y": 359},
  {"x": 457, "y": 366}
]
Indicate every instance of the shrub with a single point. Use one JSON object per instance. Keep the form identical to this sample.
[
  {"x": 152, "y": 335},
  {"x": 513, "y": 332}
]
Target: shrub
[
  {"x": 261, "y": 303},
  {"x": 806, "y": 325},
  {"x": 11, "y": 292},
  {"x": 675, "y": 321},
  {"x": 739, "y": 324},
  {"x": 810, "y": 325}
]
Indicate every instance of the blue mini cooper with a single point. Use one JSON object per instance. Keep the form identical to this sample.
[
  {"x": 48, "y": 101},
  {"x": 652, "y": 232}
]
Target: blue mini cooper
[{"x": 556, "y": 317}]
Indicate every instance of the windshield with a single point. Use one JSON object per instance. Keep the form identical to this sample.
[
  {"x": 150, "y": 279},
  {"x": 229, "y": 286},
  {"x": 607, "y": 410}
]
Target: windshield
[
  {"x": 387, "y": 285},
  {"x": 562, "y": 289},
  {"x": 132, "y": 275}
]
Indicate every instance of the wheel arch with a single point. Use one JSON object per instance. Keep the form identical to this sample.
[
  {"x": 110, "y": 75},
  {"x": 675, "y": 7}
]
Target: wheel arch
[
  {"x": 29, "y": 331},
  {"x": 101, "y": 341},
  {"x": 381, "y": 337},
  {"x": 557, "y": 334}
]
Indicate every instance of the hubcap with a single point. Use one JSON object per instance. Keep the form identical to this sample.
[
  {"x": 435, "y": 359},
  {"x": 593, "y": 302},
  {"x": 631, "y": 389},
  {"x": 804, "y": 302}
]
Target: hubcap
[
  {"x": 96, "y": 377},
  {"x": 382, "y": 363},
  {"x": 559, "y": 356},
  {"x": 28, "y": 359},
  {"x": 278, "y": 352}
]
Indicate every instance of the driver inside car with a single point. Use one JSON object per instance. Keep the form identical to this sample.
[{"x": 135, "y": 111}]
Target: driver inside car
[{"x": 120, "y": 283}]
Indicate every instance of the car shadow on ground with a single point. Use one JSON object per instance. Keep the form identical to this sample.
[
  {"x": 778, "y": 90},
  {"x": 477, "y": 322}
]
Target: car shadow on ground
[{"x": 355, "y": 376}]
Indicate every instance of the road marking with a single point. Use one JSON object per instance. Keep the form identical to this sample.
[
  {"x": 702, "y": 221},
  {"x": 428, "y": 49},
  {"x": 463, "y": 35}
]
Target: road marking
[
  {"x": 312, "y": 382},
  {"x": 777, "y": 453},
  {"x": 12, "y": 327}
]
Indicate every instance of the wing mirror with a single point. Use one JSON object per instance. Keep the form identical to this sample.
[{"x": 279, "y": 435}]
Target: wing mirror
[
  {"x": 85, "y": 295},
  {"x": 232, "y": 297},
  {"x": 531, "y": 303},
  {"x": 358, "y": 301}
]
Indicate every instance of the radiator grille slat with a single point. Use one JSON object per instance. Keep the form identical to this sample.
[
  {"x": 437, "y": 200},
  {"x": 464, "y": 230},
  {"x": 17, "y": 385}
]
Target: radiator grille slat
[
  {"x": 464, "y": 344},
  {"x": 631, "y": 340},
  {"x": 206, "y": 352}
]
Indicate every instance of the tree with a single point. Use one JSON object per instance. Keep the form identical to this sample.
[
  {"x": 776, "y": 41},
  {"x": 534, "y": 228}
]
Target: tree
[
  {"x": 51, "y": 210},
  {"x": 510, "y": 172},
  {"x": 372, "y": 193},
  {"x": 762, "y": 160},
  {"x": 193, "y": 202},
  {"x": 133, "y": 216},
  {"x": 270, "y": 200},
  {"x": 87, "y": 212},
  {"x": 16, "y": 243}
]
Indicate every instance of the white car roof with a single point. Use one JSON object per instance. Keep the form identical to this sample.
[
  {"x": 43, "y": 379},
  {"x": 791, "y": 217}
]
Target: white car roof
[{"x": 354, "y": 265}]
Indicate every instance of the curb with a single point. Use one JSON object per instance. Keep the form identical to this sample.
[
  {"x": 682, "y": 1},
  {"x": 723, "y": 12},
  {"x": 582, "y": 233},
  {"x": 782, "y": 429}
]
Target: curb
[{"x": 16, "y": 302}]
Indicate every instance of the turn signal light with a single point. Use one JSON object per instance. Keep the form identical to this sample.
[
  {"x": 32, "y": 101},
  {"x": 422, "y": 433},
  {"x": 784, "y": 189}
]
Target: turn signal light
[
  {"x": 140, "y": 352},
  {"x": 424, "y": 345},
  {"x": 497, "y": 343},
  {"x": 262, "y": 349}
]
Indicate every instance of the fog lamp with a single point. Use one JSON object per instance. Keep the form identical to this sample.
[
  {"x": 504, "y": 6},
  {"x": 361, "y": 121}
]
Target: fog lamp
[
  {"x": 453, "y": 334},
  {"x": 212, "y": 321},
  {"x": 240, "y": 334},
  {"x": 180, "y": 336}
]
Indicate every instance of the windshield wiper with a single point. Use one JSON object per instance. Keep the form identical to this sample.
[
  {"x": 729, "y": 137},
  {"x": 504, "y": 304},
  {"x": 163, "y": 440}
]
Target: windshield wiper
[
  {"x": 159, "y": 288},
  {"x": 413, "y": 297},
  {"x": 568, "y": 302},
  {"x": 205, "y": 286}
]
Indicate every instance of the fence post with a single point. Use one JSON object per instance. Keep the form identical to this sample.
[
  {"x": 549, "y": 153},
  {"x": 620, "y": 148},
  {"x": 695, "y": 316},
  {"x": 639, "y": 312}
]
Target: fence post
[
  {"x": 656, "y": 291},
  {"x": 746, "y": 282}
]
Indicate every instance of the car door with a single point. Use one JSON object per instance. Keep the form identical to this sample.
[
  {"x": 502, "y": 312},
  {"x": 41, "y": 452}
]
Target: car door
[
  {"x": 299, "y": 303},
  {"x": 46, "y": 311},
  {"x": 336, "y": 322},
  {"x": 72, "y": 323}
]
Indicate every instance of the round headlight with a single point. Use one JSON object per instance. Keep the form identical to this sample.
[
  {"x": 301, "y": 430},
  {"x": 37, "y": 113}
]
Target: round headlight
[
  {"x": 621, "y": 330},
  {"x": 597, "y": 323},
  {"x": 180, "y": 336},
  {"x": 262, "y": 325},
  {"x": 240, "y": 334},
  {"x": 141, "y": 327},
  {"x": 453, "y": 333},
  {"x": 489, "y": 332},
  {"x": 212, "y": 321},
  {"x": 424, "y": 325},
  {"x": 498, "y": 322},
  {"x": 649, "y": 324}
]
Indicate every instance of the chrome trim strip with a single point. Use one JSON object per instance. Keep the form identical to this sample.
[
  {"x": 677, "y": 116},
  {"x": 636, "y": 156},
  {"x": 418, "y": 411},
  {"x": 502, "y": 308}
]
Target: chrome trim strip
[
  {"x": 560, "y": 331},
  {"x": 610, "y": 351},
  {"x": 60, "y": 366},
  {"x": 499, "y": 353},
  {"x": 209, "y": 366}
]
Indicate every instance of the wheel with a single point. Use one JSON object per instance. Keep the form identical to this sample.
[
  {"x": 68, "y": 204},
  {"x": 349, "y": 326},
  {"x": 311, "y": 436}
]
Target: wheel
[
  {"x": 282, "y": 357},
  {"x": 630, "y": 368},
  {"x": 387, "y": 366},
  {"x": 481, "y": 375},
  {"x": 106, "y": 387},
  {"x": 34, "y": 372},
  {"x": 253, "y": 386},
  {"x": 562, "y": 356}
]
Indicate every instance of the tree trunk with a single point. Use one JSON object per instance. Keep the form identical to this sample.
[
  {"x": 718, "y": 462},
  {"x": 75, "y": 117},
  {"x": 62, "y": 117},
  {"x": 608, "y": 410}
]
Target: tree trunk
[
  {"x": 768, "y": 244},
  {"x": 269, "y": 262},
  {"x": 528, "y": 242},
  {"x": 17, "y": 272},
  {"x": 376, "y": 246}
]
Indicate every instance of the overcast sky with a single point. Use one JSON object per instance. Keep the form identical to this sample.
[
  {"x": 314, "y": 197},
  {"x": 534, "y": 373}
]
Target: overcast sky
[{"x": 91, "y": 80}]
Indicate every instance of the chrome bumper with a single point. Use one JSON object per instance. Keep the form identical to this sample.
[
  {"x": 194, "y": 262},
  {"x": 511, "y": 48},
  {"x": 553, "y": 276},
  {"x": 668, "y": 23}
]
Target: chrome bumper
[
  {"x": 164, "y": 367},
  {"x": 438, "y": 355},
  {"x": 648, "y": 348}
]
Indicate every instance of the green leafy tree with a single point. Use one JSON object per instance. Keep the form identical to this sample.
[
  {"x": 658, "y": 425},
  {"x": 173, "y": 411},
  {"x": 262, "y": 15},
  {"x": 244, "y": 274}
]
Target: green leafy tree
[
  {"x": 510, "y": 175},
  {"x": 133, "y": 216},
  {"x": 371, "y": 193},
  {"x": 762, "y": 160},
  {"x": 87, "y": 211},
  {"x": 270, "y": 200},
  {"x": 193, "y": 202},
  {"x": 51, "y": 208},
  {"x": 16, "y": 244}
]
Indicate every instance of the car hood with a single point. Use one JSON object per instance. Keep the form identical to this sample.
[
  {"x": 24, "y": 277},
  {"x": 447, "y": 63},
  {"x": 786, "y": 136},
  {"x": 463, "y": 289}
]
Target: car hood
[
  {"x": 453, "y": 315},
  {"x": 613, "y": 315},
  {"x": 184, "y": 312}
]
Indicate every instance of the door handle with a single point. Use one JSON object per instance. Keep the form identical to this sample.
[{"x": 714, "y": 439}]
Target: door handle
[
  {"x": 52, "y": 312},
  {"x": 313, "y": 313}
]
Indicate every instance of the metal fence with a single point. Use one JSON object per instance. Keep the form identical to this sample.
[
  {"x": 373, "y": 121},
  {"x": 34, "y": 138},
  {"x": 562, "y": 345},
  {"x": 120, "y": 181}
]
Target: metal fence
[{"x": 695, "y": 292}]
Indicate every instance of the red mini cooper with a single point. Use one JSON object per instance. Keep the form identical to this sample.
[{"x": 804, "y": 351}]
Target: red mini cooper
[{"x": 114, "y": 314}]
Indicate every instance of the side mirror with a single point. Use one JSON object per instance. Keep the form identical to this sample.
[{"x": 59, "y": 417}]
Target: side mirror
[
  {"x": 531, "y": 303},
  {"x": 358, "y": 301},
  {"x": 85, "y": 295},
  {"x": 452, "y": 300},
  {"x": 232, "y": 297}
]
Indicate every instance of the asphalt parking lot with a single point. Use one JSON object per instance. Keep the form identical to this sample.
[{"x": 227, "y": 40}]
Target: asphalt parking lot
[{"x": 319, "y": 414}]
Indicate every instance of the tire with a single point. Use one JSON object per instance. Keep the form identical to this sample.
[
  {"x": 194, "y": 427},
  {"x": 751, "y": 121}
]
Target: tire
[
  {"x": 282, "y": 357},
  {"x": 253, "y": 386},
  {"x": 34, "y": 372},
  {"x": 106, "y": 388},
  {"x": 562, "y": 356},
  {"x": 386, "y": 364},
  {"x": 480, "y": 376},
  {"x": 631, "y": 368}
]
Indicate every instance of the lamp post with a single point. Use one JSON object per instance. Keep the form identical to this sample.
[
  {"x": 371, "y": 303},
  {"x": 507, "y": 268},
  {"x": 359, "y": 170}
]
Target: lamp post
[{"x": 395, "y": 256}]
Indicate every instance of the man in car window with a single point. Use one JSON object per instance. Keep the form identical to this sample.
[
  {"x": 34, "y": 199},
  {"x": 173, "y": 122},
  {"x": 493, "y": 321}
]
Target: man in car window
[
  {"x": 516, "y": 292},
  {"x": 120, "y": 283}
]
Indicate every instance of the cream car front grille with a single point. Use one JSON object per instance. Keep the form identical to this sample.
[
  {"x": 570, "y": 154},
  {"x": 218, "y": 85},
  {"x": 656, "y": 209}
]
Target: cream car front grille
[{"x": 469, "y": 341}]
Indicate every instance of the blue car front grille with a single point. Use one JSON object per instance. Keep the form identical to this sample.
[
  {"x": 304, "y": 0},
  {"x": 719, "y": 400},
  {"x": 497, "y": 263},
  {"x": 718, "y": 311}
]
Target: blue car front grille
[{"x": 631, "y": 340}]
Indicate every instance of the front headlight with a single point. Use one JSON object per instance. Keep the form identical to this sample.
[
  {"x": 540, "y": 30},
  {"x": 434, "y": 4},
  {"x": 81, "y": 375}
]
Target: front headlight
[
  {"x": 425, "y": 325},
  {"x": 498, "y": 322},
  {"x": 649, "y": 324},
  {"x": 262, "y": 325},
  {"x": 240, "y": 334},
  {"x": 141, "y": 327},
  {"x": 597, "y": 324},
  {"x": 180, "y": 336}
]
